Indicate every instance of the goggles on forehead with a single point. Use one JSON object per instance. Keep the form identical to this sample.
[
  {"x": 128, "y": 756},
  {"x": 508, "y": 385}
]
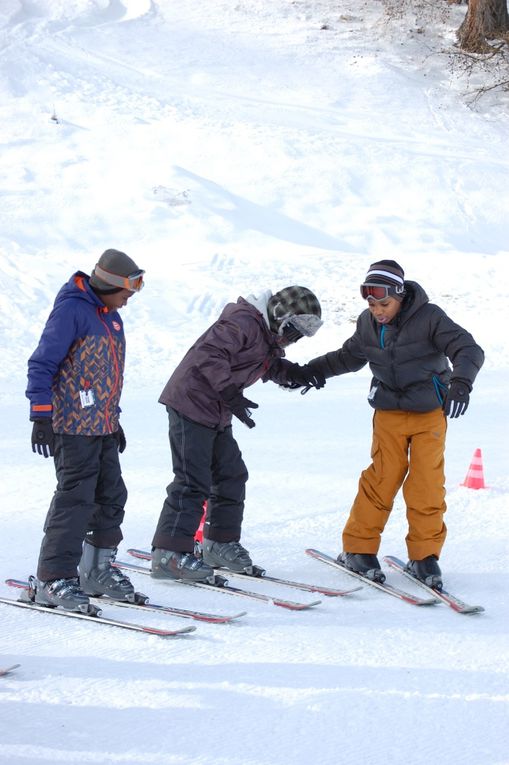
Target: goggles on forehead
[
  {"x": 381, "y": 291},
  {"x": 306, "y": 324},
  {"x": 133, "y": 282}
]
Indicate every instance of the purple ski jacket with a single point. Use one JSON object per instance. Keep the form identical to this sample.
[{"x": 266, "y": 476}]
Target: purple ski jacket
[{"x": 238, "y": 348}]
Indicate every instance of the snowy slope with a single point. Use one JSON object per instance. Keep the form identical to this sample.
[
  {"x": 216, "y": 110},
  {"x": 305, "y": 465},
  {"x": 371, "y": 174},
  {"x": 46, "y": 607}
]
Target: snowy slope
[{"x": 231, "y": 148}]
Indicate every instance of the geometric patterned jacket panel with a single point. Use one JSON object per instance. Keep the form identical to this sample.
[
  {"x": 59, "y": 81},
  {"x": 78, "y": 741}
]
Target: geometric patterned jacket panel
[{"x": 75, "y": 375}]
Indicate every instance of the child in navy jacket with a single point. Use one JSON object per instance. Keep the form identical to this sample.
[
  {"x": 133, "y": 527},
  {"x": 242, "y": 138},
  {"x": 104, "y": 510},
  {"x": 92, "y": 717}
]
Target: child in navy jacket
[{"x": 75, "y": 378}]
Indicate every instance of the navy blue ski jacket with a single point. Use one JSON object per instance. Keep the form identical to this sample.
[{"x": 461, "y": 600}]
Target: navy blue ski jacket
[{"x": 75, "y": 374}]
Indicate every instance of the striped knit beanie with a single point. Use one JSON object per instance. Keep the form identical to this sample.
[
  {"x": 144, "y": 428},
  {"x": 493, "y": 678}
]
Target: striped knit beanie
[{"x": 385, "y": 272}]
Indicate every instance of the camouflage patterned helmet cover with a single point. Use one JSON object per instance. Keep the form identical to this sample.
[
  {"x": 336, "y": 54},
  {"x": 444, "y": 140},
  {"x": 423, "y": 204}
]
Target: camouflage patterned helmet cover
[{"x": 291, "y": 301}]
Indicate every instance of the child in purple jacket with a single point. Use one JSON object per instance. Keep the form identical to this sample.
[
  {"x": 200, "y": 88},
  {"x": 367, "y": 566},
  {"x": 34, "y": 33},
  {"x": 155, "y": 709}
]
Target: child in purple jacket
[{"x": 244, "y": 345}]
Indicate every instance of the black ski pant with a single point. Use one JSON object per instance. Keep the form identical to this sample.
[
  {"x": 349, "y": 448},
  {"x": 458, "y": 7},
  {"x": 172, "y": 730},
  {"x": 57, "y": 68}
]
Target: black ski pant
[
  {"x": 88, "y": 501},
  {"x": 208, "y": 465}
]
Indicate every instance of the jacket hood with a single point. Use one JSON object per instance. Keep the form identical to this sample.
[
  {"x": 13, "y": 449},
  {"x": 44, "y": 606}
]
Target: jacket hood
[
  {"x": 78, "y": 287},
  {"x": 260, "y": 303},
  {"x": 414, "y": 299}
]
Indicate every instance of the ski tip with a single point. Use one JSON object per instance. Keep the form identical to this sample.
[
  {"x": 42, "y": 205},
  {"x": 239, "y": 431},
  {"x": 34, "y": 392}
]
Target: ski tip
[
  {"x": 460, "y": 607},
  {"x": 219, "y": 619},
  {"x": 168, "y": 633},
  {"x": 7, "y": 670},
  {"x": 294, "y": 606},
  {"x": 20, "y": 583},
  {"x": 471, "y": 610}
]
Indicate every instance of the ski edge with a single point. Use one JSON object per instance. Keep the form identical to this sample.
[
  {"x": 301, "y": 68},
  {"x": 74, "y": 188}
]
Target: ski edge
[
  {"x": 99, "y": 619},
  {"x": 456, "y": 604},
  {"x": 174, "y": 611},
  {"x": 200, "y": 616},
  {"x": 225, "y": 588},
  {"x": 329, "y": 592},
  {"x": 389, "y": 589},
  {"x": 306, "y": 587}
]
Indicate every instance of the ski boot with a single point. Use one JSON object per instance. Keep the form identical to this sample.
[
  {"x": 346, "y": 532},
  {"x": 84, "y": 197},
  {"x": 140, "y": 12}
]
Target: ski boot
[
  {"x": 169, "y": 564},
  {"x": 364, "y": 564},
  {"x": 229, "y": 555},
  {"x": 99, "y": 577},
  {"x": 60, "y": 593},
  {"x": 426, "y": 570}
]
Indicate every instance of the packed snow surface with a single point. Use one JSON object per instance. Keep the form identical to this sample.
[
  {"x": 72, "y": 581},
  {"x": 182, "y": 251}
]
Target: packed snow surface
[{"x": 230, "y": 148}]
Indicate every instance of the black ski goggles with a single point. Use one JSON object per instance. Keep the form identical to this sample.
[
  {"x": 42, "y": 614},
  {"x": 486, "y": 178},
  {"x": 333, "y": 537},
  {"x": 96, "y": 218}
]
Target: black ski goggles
[
  {"x": 133, "y": 282},
  {"x": 378, "y": 292}
]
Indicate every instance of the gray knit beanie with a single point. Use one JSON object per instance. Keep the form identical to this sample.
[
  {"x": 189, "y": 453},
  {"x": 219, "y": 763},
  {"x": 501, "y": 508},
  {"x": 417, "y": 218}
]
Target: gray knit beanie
[{"x": 116, "y": 263}]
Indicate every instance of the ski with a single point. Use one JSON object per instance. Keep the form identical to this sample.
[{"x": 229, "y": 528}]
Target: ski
[
  {"x": 184, "y": 613},
  {"x": 259, "y": 573},
  {"x": 452, "y": 601},
  {"x": 221, "y": 585},
  {"x": 384, "y": 587},
  {"x": 6, "y": 670},
  {"x": 94, "y": 615}
]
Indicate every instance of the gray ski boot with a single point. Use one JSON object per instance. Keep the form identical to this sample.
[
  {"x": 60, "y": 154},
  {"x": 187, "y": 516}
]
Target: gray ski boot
[
  {"x": 229, "y": 555},
  {"x": 168, "y": 564},
  {"x": 63, "y": 593},
  {"x": 99, "y": 577}
]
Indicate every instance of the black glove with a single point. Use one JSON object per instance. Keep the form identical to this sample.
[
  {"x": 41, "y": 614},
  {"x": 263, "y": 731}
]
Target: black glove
[
  {"x": 43, "y": 438},
  {"x": 305, "y": 376},
  {"x": 457, "y": 398},
  {"x": 239, "y": 405},
  {"x": 120, "y": 436}
]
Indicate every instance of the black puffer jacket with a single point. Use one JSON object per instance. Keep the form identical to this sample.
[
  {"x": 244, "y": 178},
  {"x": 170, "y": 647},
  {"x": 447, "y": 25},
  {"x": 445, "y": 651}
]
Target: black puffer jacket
[{"x": 409, "y": 357}]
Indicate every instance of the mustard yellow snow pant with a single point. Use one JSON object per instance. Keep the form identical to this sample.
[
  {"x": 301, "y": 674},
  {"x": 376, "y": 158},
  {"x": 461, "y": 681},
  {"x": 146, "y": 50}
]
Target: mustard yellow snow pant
[{"x": 407, "y": 450}]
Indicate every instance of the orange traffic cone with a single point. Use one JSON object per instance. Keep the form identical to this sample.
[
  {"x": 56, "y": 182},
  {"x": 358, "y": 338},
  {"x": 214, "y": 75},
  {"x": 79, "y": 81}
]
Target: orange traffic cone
[{"x": 475, "y": 476}]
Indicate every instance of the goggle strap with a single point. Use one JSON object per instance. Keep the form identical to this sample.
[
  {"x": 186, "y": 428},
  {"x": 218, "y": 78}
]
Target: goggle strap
[{"x": 133, "y": 282}]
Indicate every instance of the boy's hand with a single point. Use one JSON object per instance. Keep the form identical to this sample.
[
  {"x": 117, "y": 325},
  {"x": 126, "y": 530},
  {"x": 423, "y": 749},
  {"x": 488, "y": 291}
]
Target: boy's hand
[
  {"x": 457, "y": 398},
  {"x": 239, "y": 405},
  {"x": 305, "y": 376},
  {"x": 121, "y": 440},
  {"x": 43, "y": 438}
]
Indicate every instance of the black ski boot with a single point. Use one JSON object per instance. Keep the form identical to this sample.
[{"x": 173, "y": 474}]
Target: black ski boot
[
  {"x": 365, "y": 564},
  {"x": 168, "y": 564},
  {"x": 229, "y": 555},
  {"x": 63, "y": 593},
  {"x": 426, "y": 570},
  {"x": 99, "y": 577}
]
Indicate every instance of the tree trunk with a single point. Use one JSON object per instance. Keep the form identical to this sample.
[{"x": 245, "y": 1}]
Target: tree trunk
[
  {"x": 499, "y": 18},
  {"x": 485, "y": 20}
]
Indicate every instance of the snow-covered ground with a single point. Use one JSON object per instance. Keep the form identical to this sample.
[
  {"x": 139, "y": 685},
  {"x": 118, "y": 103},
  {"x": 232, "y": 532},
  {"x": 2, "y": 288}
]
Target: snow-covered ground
[{"x": 229, "y": 148}]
